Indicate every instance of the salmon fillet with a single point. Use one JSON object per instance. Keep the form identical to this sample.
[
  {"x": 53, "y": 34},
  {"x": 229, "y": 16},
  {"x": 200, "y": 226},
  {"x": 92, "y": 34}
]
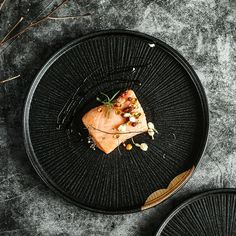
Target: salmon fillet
[{"x": 111, "y": 127}]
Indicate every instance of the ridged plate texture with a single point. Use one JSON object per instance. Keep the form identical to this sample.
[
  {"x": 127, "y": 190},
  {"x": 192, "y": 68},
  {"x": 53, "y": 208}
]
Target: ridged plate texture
[
  {"x": 209, "y": 214},
  {"x": 171, "y": 96}
]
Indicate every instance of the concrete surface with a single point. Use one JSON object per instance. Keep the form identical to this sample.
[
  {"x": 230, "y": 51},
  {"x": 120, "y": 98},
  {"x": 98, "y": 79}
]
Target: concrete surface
[{"x": 204, "y": 32}]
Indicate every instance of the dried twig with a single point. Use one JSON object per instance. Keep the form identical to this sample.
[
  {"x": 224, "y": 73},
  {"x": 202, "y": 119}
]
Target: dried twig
[
  {"x": 2, "y": 4},
  {"x": 9, "y": 178},
  {"x": 12, "y": 41},
  {"x": 9, "y": 79},
  {"x": 20, "y": 195},
  {"x": 17, "y": 23},
  {"x": 50, "y": 13},
  {"x": 32, "y": 24},
  {"x": 14, "y": 231},
  {"x": 68, "y": 17}
]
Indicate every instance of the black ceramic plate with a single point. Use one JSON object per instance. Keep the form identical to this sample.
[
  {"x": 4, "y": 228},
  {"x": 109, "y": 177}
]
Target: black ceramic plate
[
  {"x": 209, "y": 214},
  {"x": 67, "y": 86}
]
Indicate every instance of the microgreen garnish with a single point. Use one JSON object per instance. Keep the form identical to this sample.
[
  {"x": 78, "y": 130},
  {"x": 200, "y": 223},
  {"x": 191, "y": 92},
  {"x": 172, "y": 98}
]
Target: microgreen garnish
[
  {"x": 108, "y": 102},
  {"x": 142, "y": 146}
]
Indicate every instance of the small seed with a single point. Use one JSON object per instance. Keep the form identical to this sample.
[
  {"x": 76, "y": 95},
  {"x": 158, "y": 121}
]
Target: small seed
[
  {"x": 134, "y": 100},
  {"x": 151, "y": 133},
  {"x": 116, "y": 135},
  {"x": 129, "y": 147},
  {"x": 99, "y": 109},
  {"x": 127, "y": 109},
  {"x": 143, "y": 146},
  {"x": 126, "y": 115},
  {"x": 134, "y": 124},
  {"x": 118, "y": 112},
  {"x": 151, "y": 125},
  {"x": 124, "y": 145},
  {"x": 137, "y": 115},
  {"x": 132, "y": 119},
  {"x": 124, "y": 93},
  {"x": 117, "y": 105},
  {"x": 122, "y": 128}
]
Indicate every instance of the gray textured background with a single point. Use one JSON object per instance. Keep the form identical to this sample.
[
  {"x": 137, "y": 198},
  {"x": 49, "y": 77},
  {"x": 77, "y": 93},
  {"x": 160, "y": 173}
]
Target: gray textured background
[{"x": 203, "y": 31}]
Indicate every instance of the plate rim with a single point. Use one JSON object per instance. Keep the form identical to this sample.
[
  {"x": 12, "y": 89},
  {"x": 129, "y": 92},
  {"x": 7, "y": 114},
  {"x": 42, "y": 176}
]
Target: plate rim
[
  {"x": 168, "y": 49},
  {"x": 190, "y": 200}
]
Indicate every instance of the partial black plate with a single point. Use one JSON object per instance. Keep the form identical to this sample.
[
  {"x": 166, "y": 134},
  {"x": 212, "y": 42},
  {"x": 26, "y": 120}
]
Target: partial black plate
[
  {"x": 170, "y": 93},
  {"x": 208, "y": 214}
]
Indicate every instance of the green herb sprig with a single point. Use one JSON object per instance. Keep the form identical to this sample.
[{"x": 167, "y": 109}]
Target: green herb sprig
[{"x": 108, "y": 102}]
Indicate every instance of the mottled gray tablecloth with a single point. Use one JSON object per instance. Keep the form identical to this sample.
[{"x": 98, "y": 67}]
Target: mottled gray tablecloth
[{"x": 203, "y": 31}]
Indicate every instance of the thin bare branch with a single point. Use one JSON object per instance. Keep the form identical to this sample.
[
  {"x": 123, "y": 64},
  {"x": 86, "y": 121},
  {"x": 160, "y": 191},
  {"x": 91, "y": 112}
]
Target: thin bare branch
[
  {"x": 50, "y": 13},
  {"x": 9, "y": 178},
  {"x": 9, "y": 232},
  {"x": 17, "y": 23},
  {"x": 9, "y": 79},
  {"x": 20, "y": 195},
  {"x": 1, "y": 6},
  {"x": 68, "y": 17},
  {"x": 35, "y": 18},
  {"x": 34, "y": 23}
]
